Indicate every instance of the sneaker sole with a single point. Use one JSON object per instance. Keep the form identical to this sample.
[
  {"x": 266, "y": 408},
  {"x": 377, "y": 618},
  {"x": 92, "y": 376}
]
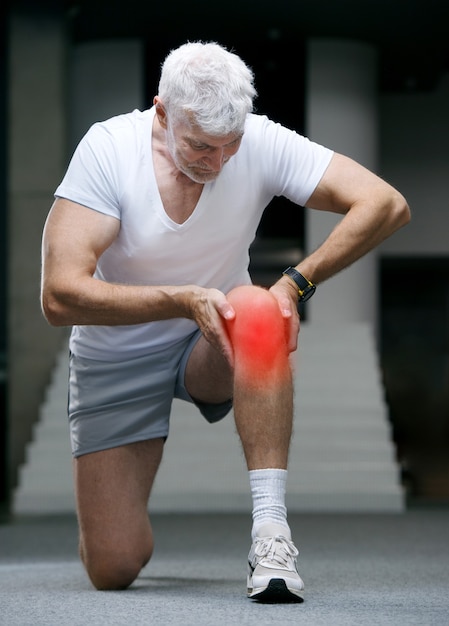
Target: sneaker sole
[{"x": 276, "y": 592}]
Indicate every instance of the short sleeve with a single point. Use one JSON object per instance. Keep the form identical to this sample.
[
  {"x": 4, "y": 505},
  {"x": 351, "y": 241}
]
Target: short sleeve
[
  {"x": 94, "y": 173},
  {"x": 292, "y": 165}
]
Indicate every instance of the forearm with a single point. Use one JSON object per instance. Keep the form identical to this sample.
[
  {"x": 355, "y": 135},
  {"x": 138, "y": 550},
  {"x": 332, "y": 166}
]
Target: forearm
[
  {"x": 361, "y": 230},
  {"x": 93, "y": 302}
]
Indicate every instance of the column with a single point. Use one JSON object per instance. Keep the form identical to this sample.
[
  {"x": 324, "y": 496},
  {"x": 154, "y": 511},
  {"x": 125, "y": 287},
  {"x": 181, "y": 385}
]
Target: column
[
  {"x": 36, "y": 157},
  {"x": 341, "y": 113}
]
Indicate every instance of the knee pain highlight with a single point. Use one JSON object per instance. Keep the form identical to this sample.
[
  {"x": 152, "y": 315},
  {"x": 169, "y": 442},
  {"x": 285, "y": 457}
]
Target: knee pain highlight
[{"x": 258, "y": 334}]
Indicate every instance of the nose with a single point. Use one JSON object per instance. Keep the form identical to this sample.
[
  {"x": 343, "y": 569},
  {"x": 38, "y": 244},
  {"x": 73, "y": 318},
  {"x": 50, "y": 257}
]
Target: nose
[{"x": 217, "y": 159}]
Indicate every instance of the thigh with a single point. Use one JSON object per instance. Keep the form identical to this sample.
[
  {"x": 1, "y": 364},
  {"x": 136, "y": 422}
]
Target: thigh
[
  {"x": 112, "y": 489},
  {"x": 208, "y": 375}
]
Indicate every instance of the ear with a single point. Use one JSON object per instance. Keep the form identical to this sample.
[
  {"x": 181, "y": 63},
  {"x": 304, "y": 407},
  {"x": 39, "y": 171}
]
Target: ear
[{"x": 160, "y": 112}]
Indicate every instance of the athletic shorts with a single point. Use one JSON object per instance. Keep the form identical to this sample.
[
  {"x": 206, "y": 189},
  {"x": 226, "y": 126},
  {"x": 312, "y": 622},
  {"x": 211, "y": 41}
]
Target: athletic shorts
[{"x": 120, "y": 402}]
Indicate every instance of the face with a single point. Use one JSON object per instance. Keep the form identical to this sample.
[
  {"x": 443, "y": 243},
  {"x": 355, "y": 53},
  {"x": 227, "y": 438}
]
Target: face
[{"x": 199, "y": 156}]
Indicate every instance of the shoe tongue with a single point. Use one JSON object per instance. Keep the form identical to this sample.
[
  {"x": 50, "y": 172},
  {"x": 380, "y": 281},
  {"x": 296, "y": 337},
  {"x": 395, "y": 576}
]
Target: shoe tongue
[{"x": 271, "y": 530}]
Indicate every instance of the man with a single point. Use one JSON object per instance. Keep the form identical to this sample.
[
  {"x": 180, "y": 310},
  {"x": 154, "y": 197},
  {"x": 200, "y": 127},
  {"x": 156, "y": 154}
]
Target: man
[{"x": 148, "y": 236}]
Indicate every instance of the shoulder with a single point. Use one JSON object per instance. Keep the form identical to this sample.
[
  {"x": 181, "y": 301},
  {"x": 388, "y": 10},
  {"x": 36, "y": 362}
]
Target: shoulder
[
  {"x": 264, "y": 136},
  {"x": 263, "y": 127},
  {"x": 261, "y": 132},
  {"x": 124, "y": 127},
  {"x": 118, "y": 142},
  {"x": 256, "y": 124}
]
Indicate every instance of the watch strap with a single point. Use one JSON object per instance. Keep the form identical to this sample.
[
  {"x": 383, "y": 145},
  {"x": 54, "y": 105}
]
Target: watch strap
[{"x": 306, "y": 288}]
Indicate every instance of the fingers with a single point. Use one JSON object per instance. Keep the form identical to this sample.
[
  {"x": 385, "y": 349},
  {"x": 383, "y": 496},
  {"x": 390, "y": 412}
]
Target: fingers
[
  {"x": 226, "y": 310},
  {"x": 215, "y": 314},
  {"x": 293, "y": 333},
  {"x": 211, "y": 312},
  {"x": 226, "y": 348},
  {"x": 227, "y": 313},
  {"x": 285, "y": 305},
  {"x": 289, "y": 311}
]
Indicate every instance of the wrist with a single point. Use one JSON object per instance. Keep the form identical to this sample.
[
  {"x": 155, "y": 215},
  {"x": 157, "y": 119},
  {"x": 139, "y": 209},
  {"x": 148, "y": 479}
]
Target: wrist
[
  {"x": 305, "y": 288},
  {"x": 183, "y": 300},
  {"x": 290, "y": 286}
]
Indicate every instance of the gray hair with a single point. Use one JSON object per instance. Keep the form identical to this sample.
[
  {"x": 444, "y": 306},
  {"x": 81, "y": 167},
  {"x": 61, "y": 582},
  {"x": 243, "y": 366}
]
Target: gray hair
[{"x": 209, "y": 83}]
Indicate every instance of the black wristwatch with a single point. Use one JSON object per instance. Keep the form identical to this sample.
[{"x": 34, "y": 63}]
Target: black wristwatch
[{"x": 306, "y": 289}]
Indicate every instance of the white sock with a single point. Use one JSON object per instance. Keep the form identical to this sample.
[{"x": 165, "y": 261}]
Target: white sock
[{"x": 268, "y": 493}]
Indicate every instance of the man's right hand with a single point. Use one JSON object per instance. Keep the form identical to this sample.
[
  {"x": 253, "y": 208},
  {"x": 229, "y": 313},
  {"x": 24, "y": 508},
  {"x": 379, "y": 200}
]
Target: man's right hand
[{"x": 209, "y": 308}]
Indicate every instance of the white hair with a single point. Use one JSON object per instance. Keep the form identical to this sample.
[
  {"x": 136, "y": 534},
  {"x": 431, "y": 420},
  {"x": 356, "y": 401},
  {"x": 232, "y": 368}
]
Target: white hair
[{"x": 207, "y": 82}]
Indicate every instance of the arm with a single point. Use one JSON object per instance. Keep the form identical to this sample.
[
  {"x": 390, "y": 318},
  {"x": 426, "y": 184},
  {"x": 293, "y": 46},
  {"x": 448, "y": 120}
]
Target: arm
[
  {"x": 372, "y": 211},
  {"x": 73, "y": 241}
]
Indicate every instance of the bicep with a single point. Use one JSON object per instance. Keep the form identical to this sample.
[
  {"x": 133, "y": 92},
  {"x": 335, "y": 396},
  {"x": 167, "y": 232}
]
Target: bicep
[
  {"x": 344, "y": 184},
  {"x": 74, "y": 238}
]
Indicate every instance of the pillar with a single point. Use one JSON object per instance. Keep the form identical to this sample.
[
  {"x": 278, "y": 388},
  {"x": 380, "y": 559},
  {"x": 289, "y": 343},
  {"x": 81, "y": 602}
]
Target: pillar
[
  {"x": 36, "y": 158},
  {"x": 341, "y": 113}
]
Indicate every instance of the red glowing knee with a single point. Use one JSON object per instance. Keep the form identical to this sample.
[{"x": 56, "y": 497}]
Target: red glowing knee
[{"x": 257, "y": 333}]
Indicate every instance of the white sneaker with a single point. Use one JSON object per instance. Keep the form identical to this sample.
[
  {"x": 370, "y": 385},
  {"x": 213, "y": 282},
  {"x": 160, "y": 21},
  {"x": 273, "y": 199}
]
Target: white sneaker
[{"x": 272, "y": 573}]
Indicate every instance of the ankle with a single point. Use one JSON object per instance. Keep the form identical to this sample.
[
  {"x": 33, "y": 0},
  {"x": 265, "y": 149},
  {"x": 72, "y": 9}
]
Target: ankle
[{"x": 268, "y": 492}]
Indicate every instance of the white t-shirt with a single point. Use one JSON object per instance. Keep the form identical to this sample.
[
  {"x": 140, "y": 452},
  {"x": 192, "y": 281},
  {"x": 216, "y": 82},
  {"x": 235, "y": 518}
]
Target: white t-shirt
[{"x": 112, "y": 172}]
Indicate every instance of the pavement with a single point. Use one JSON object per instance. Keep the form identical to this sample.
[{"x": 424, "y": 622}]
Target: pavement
[{"x": 359, "y": 569}]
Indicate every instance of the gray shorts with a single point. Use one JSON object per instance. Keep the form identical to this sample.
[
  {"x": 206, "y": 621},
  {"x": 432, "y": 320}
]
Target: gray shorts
[{"x": 116, "y": 403}]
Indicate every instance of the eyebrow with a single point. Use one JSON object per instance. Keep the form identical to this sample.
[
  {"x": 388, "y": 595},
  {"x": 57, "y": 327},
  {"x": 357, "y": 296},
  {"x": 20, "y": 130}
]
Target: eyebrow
[{"x": 203, "y": 143}]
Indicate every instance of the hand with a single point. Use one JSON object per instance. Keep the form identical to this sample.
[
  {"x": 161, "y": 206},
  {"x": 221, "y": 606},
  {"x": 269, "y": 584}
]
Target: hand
[
  {"x": 209, "y": 309},
  {"x": 287, "y": 296}
]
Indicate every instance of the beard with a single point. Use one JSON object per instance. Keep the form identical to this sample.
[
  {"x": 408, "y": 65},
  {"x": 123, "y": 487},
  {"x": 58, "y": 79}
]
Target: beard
[{"x": 198, "y": 174}]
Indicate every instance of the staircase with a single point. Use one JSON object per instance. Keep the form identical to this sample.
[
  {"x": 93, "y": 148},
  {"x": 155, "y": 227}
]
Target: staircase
[{"x": 341, "y": 459}]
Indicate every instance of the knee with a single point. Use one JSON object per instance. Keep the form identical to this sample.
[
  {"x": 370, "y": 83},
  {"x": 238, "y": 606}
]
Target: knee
[
  {"x": 258, "y": 332},
  {"x": 113, "y": 570}
]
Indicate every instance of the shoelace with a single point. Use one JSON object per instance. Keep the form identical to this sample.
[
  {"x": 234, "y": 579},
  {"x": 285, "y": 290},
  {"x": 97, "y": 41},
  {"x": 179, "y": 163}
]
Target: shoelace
[{"x": 278, "y": 549}]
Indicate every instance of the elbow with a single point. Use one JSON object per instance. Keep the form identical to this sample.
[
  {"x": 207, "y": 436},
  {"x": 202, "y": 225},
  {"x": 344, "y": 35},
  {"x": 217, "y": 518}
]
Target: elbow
[
  {"x": 396, "y": 212},
  {"x": 53, "y": 311},
  {"x": 400, "y": 211}
]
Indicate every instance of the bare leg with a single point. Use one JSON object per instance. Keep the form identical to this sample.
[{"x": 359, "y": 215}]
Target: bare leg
[
  {"x": 261, "y": 385},
  {"x": 264, "y": 423},
  {"x": 263, "y": 390},
  {"x": 112, "y": 488}
]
